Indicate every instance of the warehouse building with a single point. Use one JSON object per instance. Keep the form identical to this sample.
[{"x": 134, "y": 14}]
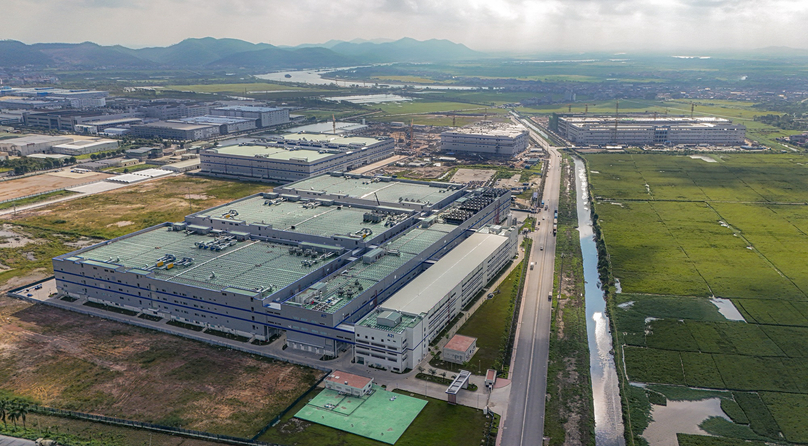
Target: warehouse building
[
  {"x": 310, "y": 267},
  {"x": 177, "y": 130},
  {"x": 226, "y": 125},
  {"x": 649, "y": 130},
  {"x": 85, "y": 146},
  {"x": 31, "y": 144},
  {"x": 486, "y": 139},
  {"x": 67, "y": 120},
  {"x": 292, "y": 157},
  {"x": 74, "y": 98},
  {"x": 263, "y": 116}
]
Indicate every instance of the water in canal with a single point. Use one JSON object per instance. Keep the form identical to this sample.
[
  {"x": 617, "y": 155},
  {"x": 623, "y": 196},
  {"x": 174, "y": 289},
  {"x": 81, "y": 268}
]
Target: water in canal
[{"x": 605, "y": 385}]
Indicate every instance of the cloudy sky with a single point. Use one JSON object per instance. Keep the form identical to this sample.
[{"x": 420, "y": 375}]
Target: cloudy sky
[{"x": 486, "y": 25}]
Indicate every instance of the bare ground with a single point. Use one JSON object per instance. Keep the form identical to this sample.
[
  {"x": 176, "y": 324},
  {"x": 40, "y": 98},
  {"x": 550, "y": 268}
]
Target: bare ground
[{"x": 68, "y": 360}]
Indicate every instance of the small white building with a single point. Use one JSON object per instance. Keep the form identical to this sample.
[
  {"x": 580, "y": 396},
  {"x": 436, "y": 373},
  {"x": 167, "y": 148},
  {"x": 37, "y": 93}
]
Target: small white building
[
  {"x": 459, "y": 349},
  {"x": 348, "y": 383}
]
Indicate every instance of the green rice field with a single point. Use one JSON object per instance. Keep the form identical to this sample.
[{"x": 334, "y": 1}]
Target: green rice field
[{"x": 681, "y": 231}]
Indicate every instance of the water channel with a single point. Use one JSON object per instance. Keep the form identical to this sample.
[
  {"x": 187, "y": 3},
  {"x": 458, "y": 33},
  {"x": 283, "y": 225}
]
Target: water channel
[
  {"x": 315, "y": 77},
  {"x": 605, "y": 384}
]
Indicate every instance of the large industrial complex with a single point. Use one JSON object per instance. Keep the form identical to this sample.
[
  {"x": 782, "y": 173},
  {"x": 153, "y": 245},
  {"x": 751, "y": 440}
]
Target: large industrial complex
[
  {"x": 650, "y": 130},
  {"x": 334, "y": 261},
  {"x": 292, "y": 157},
  {"x": 487, "y": 139}
]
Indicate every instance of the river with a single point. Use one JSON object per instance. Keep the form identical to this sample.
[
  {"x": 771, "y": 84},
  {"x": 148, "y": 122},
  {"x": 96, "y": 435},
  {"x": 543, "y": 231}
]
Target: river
[
  {"x": 315, "y": 77},
  {"x": 605, "y": 384}
]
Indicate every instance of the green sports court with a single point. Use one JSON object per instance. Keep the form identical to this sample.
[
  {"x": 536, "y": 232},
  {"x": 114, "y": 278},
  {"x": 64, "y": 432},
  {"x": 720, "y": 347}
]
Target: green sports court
[{"x": 382, "y": 416}]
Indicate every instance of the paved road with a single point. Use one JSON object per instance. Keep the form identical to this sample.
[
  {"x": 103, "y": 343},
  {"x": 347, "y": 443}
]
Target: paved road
[
  {"x": 524, "y": 420},
  {"x": 11, "y": 441}
]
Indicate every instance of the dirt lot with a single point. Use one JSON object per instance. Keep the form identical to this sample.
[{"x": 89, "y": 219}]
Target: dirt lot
[
  {"x": 71, "y": 361},
  {"x": 469, "y": 175},
  {"x": 46, "y": 182}
]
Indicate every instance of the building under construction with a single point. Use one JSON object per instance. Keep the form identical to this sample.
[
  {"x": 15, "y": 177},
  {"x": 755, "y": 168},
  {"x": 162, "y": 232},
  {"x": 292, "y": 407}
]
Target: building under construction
[
  {"x": 486, "y": 138},
  {"x": 648, "y": 129},
  {"x": 311, "y": 259}
]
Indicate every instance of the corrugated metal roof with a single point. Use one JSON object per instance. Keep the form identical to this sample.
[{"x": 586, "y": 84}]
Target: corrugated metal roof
[{"x": 420, "y": 295}]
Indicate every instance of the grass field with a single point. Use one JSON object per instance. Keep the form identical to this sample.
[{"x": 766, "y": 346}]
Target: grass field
[
  {"x": 36, "y": 199},
  {"x": 679, "y": 230},
  {"x": 67, "y": 360},
  {"x": 438, "y": 423}
]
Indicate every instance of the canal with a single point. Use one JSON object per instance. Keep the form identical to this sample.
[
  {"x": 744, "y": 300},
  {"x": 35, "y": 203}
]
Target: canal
[{"x": 605, "y": 384}]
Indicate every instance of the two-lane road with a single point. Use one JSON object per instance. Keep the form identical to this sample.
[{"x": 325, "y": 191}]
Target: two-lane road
[{"x": 524, "y": 420}]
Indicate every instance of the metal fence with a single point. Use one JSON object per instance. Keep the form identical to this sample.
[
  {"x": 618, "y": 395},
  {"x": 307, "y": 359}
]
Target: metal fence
[
  {"x": 148, "y": 426},
  {"x": 20, "y": 294}
]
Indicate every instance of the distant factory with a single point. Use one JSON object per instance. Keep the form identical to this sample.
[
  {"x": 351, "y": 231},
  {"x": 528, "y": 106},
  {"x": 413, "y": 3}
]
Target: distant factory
[
  {"x": 487, "y": 139},
  {"x": 648, "y": 130},
  {"x": 49, "y": 97},
  {"x": 294, "y": 156}
]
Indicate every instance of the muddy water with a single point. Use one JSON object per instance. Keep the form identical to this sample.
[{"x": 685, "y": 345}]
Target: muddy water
[{"x": 605, "y": 386}]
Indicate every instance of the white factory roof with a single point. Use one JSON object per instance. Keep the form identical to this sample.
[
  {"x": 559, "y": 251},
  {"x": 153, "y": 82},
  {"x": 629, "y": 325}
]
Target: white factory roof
[
  {"x": 37, "y": 139},
  {"x": 333, "y": 139},
  {"x": 82, "y": 143},
  {"x": 250, "y": 108},
  {"x": 489, "y": 129},
  {"x": 420, "y": 295}
]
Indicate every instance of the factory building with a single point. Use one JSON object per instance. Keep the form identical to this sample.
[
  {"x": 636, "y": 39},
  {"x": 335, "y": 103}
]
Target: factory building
[
  {"x": 96, "y": 127},
  {"x": 67, "y": 120},
  {"x": 292, "y": 157},
  {"x": 31, "y": 144},
  {"x": 85, "y": 146},
  {"x": 486, "y": 139},
  {"x": 650, "y": 130},
  {"x": 264, "y": 116},
  {"x": 73, "y": 98},
  {"x": 175, "y": 130},
  {"x": 310, "y": 267},
  {"x": 226, "y": 125},
  {"x": 396, "y": 335},
  {"x": 165, "y": 111}
]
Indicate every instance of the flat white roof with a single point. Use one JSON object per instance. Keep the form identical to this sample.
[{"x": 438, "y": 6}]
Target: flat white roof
[
  {"x": 426, "y": 290},
  {"x": 36, "y": 139},
  {"x": 85, "y": 143}
]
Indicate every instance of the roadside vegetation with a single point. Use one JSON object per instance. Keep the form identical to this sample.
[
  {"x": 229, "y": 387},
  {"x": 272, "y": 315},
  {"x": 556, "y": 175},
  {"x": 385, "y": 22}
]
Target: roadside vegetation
[
  {"x": 569, "y": 413},
  {"x": 679, "y": 231}
]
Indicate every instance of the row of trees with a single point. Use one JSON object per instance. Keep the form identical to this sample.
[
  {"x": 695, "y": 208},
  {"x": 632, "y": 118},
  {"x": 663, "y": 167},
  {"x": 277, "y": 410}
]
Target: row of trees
[
  {"x": 25, "y": 165},
  {"x": 14, "y": 410},
  {"x": 797, "y": 121}
]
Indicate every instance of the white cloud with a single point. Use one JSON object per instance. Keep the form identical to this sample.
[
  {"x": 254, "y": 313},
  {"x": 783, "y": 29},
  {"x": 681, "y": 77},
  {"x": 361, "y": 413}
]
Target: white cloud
[{"x": 508, "y": 25}]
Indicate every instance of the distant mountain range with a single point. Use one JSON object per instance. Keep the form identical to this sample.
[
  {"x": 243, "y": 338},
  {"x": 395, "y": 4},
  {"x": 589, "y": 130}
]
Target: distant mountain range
[{"x": 214, "y": 53}]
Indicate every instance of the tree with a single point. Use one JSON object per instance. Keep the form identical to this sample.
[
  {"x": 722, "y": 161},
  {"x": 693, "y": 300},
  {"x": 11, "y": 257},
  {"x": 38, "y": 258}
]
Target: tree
[{"x": 4, "y": 409}]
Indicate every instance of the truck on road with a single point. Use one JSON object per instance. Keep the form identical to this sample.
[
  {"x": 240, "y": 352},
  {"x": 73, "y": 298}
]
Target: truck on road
[{"x": 532, "y": 264}]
